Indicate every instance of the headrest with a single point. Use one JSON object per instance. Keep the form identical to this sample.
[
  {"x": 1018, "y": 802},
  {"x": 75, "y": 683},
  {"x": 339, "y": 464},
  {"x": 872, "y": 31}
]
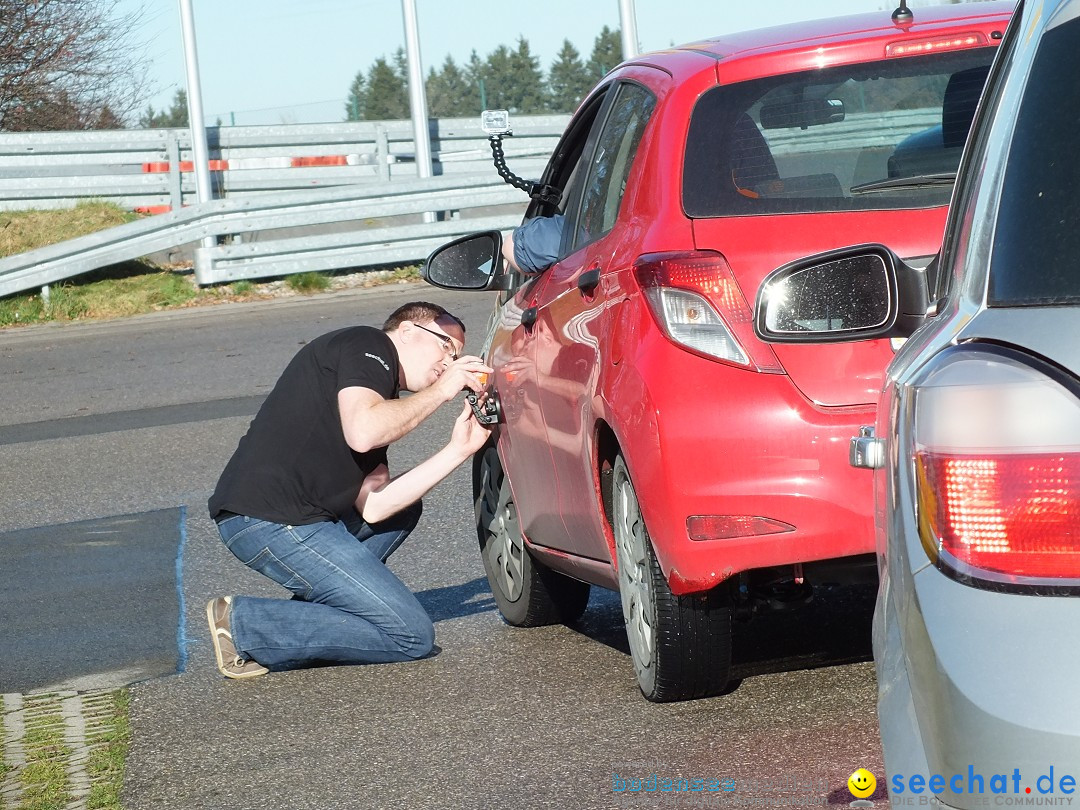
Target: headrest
[{"x": 958, "y": 106}]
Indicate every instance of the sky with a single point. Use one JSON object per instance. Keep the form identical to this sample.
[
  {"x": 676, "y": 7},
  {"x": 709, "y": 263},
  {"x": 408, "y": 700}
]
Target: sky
[{"x": 278, "y": 62}]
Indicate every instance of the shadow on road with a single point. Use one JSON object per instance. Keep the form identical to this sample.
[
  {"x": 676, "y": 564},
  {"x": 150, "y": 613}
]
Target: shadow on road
[
  {"x": 456, "y": 601},
  {"x": 833, "y": 628}
]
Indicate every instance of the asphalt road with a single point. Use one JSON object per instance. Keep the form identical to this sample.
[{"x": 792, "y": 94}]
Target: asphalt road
[{"x": 126, "y": 417}]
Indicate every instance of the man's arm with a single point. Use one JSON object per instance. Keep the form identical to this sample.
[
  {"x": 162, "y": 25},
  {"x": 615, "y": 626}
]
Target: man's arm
[
  {"x": 533, "y": 247},
  {"x": 508, "y": 251},
  {"x": 369, "y": 421},
  {"x": 382, "y": 496}
]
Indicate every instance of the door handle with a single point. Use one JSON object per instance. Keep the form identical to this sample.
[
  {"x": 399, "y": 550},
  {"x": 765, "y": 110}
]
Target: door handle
[
  {"x": 528, "y": 317},
  {"x": 587, "y": 281}
]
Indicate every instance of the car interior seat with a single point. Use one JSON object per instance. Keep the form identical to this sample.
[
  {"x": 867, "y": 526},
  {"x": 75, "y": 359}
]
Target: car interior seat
[
  {"x": 752, "y": 163},
  {"x": 755, "y": 174},
  {"x": 937, "y": 151},
  {"x": 958, "y": 106}
]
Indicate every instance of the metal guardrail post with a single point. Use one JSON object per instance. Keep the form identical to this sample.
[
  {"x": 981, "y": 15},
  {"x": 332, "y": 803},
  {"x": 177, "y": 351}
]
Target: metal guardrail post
[
  {"x": 176, "y": 193},
  {"x": 382, "y": 152}
]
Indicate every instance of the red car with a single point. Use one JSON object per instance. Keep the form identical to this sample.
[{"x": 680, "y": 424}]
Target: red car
[{"x": 647, "y": 441}]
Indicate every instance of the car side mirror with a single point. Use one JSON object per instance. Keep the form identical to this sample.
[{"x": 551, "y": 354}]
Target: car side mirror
[
  {"x": 857, "y": 293},
  {"x": 469, "y": 263}
]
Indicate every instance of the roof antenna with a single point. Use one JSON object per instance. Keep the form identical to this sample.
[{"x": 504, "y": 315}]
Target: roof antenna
[{"x": 903, "y": 15}]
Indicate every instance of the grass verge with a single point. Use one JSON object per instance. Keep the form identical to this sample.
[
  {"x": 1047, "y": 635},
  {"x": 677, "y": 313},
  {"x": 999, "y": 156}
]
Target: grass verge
[
  {"x": 50, "y": 757},
  {"x": 125, "y": 290},
  {"x": 4, "y": 767},
  {"x": 21, "y": 231},
  {"x": 308, "y": 282},
  {"x": 44, "y": 777},
  {"x": 106, "y": 764},
  {"x": 137, "y": 287}
]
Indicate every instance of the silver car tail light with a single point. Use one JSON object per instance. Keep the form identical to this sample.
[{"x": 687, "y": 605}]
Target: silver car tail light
[
  {"x": 997, "y": 469},
  {"x": 697, "y": 302}
]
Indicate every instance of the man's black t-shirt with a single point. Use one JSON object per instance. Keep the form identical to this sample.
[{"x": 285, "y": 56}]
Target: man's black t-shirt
[{"x": 293, "y": 466}]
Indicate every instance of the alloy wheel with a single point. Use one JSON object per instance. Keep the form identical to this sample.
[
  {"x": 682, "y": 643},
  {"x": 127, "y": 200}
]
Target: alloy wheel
[
  {"x": 635, "y": 583},
  {"x": 505, "y": 550}
]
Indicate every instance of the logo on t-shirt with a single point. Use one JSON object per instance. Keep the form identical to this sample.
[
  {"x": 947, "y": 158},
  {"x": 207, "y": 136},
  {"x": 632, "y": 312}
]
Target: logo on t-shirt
[{"x": 376, "y": 357}]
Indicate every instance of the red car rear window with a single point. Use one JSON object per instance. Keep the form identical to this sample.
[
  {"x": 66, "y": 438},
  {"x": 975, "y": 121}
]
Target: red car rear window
[{"x": 879, "y": 135}]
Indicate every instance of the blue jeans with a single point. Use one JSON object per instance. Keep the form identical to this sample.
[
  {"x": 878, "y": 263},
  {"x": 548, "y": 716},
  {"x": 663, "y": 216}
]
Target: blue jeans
[{"x": 347, "y": 606}]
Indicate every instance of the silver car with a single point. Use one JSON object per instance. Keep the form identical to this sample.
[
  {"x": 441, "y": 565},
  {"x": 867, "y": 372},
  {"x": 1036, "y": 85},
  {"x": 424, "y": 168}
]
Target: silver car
[{"x": 977, "y": 446}]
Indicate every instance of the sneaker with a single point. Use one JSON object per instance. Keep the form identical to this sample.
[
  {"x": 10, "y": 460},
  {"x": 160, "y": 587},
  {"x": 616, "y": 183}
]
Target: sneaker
[{"x": 229, "y": 662}]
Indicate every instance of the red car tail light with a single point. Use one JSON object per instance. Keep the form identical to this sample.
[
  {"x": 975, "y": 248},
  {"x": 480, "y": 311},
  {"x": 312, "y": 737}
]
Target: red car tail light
[
  {"x": 997, "y": 470},
  {"x": 950, "y": 42},
  {"x": 697, "y": 302}
]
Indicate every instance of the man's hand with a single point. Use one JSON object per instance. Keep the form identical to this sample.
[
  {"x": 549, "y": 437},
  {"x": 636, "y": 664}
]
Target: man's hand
[
  {"x": 465, "y": 372},
  {"x": 469, "y": 435},
  {"x": 381, "y": 496}
]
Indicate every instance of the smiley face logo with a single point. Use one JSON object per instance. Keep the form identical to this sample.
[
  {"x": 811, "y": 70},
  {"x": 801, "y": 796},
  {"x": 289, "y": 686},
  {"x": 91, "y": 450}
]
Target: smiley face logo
[{"x": 861, "y": 783}]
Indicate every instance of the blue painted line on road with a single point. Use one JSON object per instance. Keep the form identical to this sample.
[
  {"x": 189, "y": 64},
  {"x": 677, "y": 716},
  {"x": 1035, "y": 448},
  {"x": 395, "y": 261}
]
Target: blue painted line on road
[{"x": 181, "y": 623}]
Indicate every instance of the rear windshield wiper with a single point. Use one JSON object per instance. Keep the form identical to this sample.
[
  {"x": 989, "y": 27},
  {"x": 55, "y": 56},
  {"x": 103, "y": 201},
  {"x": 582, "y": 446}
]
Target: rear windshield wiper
[{"x": 943, "y": 179}]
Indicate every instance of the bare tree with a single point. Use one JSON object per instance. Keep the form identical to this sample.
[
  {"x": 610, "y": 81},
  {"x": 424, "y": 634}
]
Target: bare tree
[{"x": 69, "y": 64}]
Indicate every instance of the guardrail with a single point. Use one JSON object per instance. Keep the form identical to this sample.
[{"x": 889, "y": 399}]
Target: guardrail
[
  {"x": 856, "y": 131},
  {"x": 150, "y": 170},
  {"x": 361, "y": 246},
  {"x": 294, "y": 177}
]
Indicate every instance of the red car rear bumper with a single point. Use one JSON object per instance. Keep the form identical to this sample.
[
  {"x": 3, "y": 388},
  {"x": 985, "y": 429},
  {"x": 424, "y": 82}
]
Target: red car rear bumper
[{"x": 757, "y": 448}]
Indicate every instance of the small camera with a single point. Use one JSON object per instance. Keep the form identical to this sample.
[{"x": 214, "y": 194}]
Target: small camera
[
  {"x": 496, "y": 122},
  {"x": 487, "y": 413}
]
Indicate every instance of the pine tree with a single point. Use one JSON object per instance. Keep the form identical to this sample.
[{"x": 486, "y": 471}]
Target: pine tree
[
  {"x": 528, "y": 80},
  {"x": 47, "y": 112},
  {"x": 568, "y": 80},
  {"x": 449, "y": 92},
  {"x": 476, "y": 75},
  {"x": 175, "y": 116},
  {"x": 606, "y": 53},
  {"x": 497, "y": 76},
  {"x": 513, "y": 79},
  {"x": 107, "y": 119},
  {"x": 357, "y": 99},
  {"x": 387, "y": 97},
  {"x": 401, "y": 65}
]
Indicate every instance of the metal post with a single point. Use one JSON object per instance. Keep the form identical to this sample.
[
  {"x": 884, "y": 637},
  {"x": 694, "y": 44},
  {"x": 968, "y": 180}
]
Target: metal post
[
  {"x": 417, "y": 98},
  {"x": 628, "y": 26},
  {"x": 176, "y": 181},
  {"x": 200, "y": 152},
  {"x": 382, "y": 152}
]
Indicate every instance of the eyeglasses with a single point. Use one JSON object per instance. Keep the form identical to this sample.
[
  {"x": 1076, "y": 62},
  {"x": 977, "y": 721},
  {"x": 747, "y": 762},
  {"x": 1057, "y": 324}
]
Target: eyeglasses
[{"x": 447, "y": 343}]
